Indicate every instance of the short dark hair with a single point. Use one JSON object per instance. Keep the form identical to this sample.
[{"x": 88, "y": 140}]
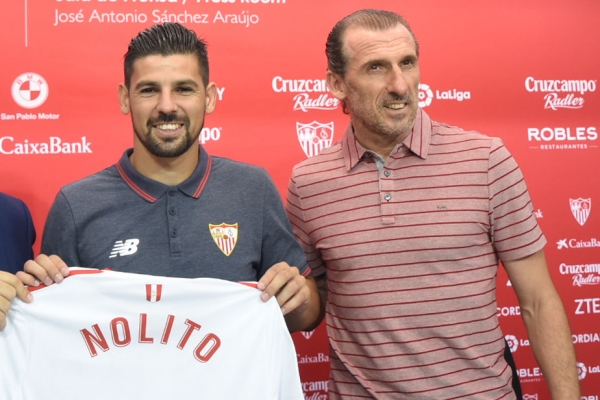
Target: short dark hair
[
  {"x": 166, "y": 40},
  {"x": 377, "y": 20}
]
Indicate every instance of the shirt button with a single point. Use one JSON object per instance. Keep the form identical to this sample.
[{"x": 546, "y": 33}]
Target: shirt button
[
  {"x": 387, "y": 173},
  {"x": 387, "y": 197},
  {"x": 172, "y": 211},
  {"x": 174, "y": 233},
  {"x": 172, "y": 192}
]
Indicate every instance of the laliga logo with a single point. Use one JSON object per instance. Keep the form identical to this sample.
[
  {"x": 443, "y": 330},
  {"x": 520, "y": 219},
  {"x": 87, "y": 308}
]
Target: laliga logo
[
  {"x": 581, "y": 370},
  {"x": 581, "y": 209},
  {"x": 29, "y": 90},
  {"x": 513, "y": 342},
  {"x": 314, "y": 137},
  {"x": 425, "y": 95}
]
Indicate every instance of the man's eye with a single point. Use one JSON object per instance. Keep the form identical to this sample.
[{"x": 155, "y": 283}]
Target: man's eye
[
  {"x": 375, "y": 67},
  {"x": 184, "y": 89},
  {"x": 147, "y": 90}
]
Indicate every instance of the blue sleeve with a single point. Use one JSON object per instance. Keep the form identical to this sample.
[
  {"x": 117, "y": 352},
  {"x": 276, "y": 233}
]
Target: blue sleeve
[
  {"x": 60, "y": 234},
  {"x": 279, "y": 243}
]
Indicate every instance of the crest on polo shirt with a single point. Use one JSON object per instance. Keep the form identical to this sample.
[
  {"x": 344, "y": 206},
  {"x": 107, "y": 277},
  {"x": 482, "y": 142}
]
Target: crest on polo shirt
[
  {"x": 580, "y": 208},
  {"x": 225, "y": 236},
  {"x": 314, "y": 137}
]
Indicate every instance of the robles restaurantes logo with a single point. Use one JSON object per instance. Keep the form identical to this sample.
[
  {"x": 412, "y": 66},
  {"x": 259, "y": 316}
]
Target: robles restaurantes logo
[
  {"x": 312, "y": 94},
  {"x": 426, "y": 95},
  {"x": 561, "y": 93},
  {"x": 314, "y": 137},
  {"x": 562, "y": 138},
  {"x": 29, "y": 90},
  {"x": 581, "y": 208}
]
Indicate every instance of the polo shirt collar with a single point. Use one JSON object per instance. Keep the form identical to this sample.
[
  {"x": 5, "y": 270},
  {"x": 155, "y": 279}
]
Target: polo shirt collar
[
  {"x": 151, "y": 190},
  {"x": 417, "y": 141}
]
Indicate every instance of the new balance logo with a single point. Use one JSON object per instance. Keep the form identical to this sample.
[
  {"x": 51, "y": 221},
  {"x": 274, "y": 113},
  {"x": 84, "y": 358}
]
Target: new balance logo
[{"x": 126, "y": 248}]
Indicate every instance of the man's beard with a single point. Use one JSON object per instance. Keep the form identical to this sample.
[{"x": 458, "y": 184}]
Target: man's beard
[{"x": 167, "y": 148}]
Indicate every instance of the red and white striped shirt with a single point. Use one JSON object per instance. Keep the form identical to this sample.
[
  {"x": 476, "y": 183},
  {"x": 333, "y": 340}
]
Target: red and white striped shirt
[{"x": 411, "y": 253}]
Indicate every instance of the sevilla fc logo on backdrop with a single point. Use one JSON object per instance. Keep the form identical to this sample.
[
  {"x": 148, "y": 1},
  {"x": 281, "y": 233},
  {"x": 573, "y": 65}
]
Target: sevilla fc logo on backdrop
[
  {"x": 314, "y": 137},
  {"x": 581, "y": 209},
  {"x": 307, "y": 335},
  {"x": 29, "y": 90},
  {"x": 225, "y": 236}
]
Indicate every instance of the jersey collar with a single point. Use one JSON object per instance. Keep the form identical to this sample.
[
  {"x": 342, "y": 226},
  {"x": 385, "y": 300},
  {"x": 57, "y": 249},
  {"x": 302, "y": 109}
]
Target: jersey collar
[
  {"x": 417, "y": 141},
  {"x": 151, "y": 190}
]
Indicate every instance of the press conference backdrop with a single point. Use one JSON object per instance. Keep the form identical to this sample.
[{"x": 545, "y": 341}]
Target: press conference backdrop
[{"x": 524, "y": 71}]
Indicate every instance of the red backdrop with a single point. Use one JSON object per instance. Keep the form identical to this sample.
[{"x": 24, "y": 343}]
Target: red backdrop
[{"x": 524, "y": 71}]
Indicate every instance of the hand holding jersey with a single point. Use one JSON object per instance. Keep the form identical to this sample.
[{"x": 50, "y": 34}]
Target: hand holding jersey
[
  {"x": 11, "y": 287},
  {"x": 282, "y": 281}
]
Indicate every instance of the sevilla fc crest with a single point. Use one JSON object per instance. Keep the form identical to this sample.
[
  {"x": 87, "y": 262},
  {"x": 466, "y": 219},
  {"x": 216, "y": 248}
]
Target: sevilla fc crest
[
  {"x": 225, "y": 236},
  {"x": 153, "y": 292},
  {"x": 307, "y": 335},
  {"x": 581, "y": 209},
  {"x": 314, "y": 137}
]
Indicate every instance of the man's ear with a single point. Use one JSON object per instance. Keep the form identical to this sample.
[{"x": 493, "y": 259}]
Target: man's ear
[
  {"x": 335, "y": 83},
  {"x": 211, "y": 98},
  {"x": 124, "y": 99}
]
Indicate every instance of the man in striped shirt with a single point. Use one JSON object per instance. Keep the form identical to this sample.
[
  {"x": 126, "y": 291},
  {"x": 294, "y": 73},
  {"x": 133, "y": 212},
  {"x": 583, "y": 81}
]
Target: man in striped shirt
[{"x": 404, "y": 221}]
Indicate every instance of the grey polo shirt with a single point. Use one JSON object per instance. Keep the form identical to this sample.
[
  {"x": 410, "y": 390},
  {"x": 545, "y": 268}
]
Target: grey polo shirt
[{"x": 225, "y": 221}]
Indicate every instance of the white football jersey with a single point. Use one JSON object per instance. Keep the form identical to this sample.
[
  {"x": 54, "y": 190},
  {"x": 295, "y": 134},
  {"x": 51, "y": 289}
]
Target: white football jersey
[{"x": 113, "y": 335}]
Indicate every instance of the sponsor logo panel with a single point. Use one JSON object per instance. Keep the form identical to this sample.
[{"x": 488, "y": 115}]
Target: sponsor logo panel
[
  {"x": 582, "y": 274},
  {"x": 577, "y": 243},
  {"x": 587, "y": 306},
  {"x": 428, "y": 94},
  {"x": 314, "y": 137},
  {"x": 584, "y": 371},
  {"x": 563, "y": 138},
  {"x": 581, "y": 208},
  {"x": 316, "y": 359},
  {"x": 561, "y": 93},
  {"x": 514, "y": 343},
  {"x": 315, "y": 390},
  {"x": 509, "y": 311},
  {"x": 10, "y": 145},
  {"x": 307, "y": 94}
]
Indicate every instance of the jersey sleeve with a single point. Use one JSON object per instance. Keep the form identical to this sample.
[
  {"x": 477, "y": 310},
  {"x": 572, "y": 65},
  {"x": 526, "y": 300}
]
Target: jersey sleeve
[
  {"x": 299, "y": 226},
  {"x": 60, "y": 235},
  {"x": 515, "y": 232},
  {"x": 279, "y": 243}
]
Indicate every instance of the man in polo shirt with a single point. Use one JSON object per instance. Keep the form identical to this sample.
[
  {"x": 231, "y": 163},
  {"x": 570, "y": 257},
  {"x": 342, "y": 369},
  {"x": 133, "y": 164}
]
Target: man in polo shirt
[
  {"x": 403, "y": 222},
  {"x": 167, "y": 207}
]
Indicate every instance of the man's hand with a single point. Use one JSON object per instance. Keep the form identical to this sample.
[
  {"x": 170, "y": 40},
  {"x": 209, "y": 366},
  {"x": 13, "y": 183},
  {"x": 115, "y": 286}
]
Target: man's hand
[
  {"x": 287, "y": 285},
  {"x": 297, "y": 296},
  {"x": 46, "y": 269},
  {"x": 10, "y": 287}
]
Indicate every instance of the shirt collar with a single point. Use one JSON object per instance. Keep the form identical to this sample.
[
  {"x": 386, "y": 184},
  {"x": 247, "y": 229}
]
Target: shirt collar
[
  {"x": 151, "y": 190},
  {"x": 417, "y": 141}
]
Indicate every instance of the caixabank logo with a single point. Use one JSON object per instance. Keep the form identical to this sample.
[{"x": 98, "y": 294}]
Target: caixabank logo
[{"x": 427, "y": 95}]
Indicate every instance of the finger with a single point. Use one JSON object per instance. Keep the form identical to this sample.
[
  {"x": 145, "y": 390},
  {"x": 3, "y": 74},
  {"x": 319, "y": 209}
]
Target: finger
[
  {"x": 47, "y": 269},
  {"x": 266, "y": 279},
  {"x": 293, "y": 295},
  {"x": 284, "y": 274},
  {"x": 28, "y": 279}
]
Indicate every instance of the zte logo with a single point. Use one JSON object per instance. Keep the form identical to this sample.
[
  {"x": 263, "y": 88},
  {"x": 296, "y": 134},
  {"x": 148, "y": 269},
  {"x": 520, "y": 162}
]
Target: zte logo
[
  {"x": 126, "y": 248},
  {"x": 587, "y": 306}
]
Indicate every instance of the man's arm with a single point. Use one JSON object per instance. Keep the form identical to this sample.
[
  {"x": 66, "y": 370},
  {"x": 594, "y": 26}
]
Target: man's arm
[{"x": 546, "y": 323}]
